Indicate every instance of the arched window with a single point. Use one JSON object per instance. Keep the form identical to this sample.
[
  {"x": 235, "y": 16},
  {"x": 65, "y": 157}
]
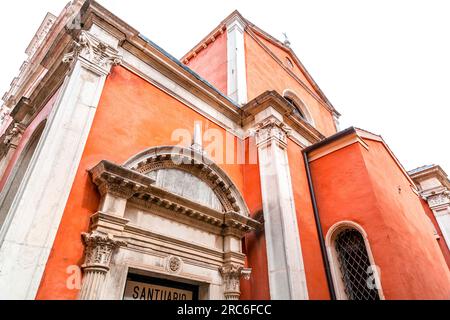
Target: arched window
[
  {"x": 298, "y": 106},
  {"x": 289, "y": 63},
  {"x": 354, "y": 264},
  {"x": 355, "y": 275},
  {"x": 16, "y": 176}
]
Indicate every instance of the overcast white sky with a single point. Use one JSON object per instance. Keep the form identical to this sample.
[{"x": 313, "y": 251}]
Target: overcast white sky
[{"x": 385, "y": 65}]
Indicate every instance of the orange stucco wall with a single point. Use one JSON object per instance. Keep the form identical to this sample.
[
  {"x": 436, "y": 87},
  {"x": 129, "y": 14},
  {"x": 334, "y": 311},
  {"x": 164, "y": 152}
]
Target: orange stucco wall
[
  {"x": 363, "y": 186},
  {"x": 264, "y": 73},
  {"x": 257, "y": 288},
  {"x": 211, "y": 63},
  {"x": 282, "y": 55},
  {"x": 312, "y": 259},
  {"x": 132, "y": 115}
]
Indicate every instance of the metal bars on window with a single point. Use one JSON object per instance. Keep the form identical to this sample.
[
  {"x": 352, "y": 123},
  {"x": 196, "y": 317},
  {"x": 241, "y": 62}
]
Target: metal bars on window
[{"x": 354, "y": 264}]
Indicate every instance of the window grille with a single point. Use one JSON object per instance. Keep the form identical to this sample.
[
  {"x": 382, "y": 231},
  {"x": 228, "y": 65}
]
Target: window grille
[{"x": 354, "y": 265}]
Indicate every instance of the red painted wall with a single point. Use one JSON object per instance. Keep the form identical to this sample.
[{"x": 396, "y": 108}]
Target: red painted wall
[
  {"x": 132, "y": 116},
  {"x": 263, "y": 73},
  {"x": 441, "y": 240},
  {"x": 282, "y": 54},
  {"x": 363, "y": 186},
  {"x": 211, "y": 63},
  {"x": 257, "y": 288}
]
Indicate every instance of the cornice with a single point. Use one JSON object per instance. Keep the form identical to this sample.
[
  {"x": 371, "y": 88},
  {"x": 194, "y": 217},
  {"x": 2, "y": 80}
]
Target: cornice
[
  {"x": 138, "y": 188},
  {"x": 275, "y": 100},
  {"x": 220, "y": 29}
]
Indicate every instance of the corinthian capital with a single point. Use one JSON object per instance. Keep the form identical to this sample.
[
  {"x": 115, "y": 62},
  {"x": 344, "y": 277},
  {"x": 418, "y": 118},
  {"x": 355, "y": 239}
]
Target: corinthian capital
[
  {"x": 99, "y": 250},
  {"x": 232, "y": 274},
  {"x": 272, "y": 130},
  {"x": 440, "y": 199},
  {"x": 97, "y": 53}
]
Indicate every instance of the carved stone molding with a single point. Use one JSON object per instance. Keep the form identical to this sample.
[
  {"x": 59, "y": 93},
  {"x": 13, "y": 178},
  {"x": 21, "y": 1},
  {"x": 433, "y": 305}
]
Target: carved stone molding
[
  {"x": 14, "y": 135},
  {"x": 99, "y": 250},
  {"x": 232, "y": 274},
  {"x": 197, "y": 164},
  {"x": 94, "y": 51},
  {"x": 138, "y": 189},
  {"x": 272, "y": 130}
]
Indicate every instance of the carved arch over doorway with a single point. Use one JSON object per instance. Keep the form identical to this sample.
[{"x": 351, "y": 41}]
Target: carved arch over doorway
[{"x": 195, "y": 164}]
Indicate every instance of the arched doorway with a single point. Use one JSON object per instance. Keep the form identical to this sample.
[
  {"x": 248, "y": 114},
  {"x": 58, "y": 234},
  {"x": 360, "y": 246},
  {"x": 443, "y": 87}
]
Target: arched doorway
[{"x": 169, "y": 219}]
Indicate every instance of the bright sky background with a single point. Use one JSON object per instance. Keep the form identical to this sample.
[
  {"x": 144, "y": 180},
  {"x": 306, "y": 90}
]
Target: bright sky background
[{"x": 384, "y": 65}]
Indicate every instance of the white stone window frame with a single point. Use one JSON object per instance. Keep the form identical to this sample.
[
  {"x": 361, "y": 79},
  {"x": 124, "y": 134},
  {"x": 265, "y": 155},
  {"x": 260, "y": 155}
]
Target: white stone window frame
[{"x": 336, "y": 273}]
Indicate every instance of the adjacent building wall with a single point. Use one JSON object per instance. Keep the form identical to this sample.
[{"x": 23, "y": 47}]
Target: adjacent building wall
[{"x": 369, "y": 188}]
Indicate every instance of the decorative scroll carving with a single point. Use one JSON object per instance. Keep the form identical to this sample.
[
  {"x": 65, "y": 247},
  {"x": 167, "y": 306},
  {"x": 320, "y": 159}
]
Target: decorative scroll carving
[
  {"x": 272, "y": 130},
  {"x": 94, "y": 51},
  {"x": 232, "y": 274}
]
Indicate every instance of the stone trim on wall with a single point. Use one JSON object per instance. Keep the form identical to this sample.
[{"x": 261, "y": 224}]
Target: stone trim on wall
[
  {"x": 197, "y": 164},
  {"x": 287, "y": 276},
  {"x": 119, "y": 187}
]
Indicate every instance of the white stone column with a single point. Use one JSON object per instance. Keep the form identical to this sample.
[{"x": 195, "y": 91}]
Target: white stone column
[
  {"x": 40, "y": 201},
  {"x": 237, "y": 74},
  {"x": 99, "y": 250},
  {"x": 287, "y": 278}
]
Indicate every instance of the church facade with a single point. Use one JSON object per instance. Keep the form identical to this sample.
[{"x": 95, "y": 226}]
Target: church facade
[{"x": 129, "y": 174}]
